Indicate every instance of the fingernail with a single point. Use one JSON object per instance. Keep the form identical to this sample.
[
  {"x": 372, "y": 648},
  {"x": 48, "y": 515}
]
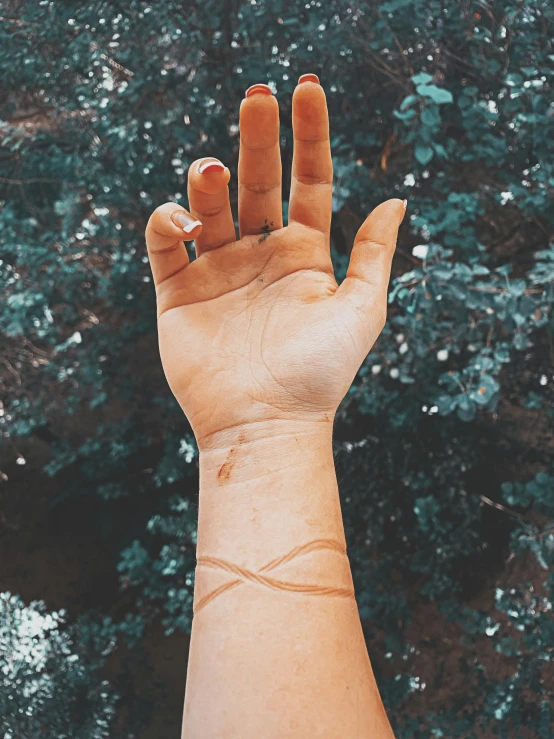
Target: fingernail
[
  {"x": 405, "y": 204},
  {"x": 308, "y": 78},
  {"x": 211, "y": 166},
  {"x": 185, "y": 222},
  {"x": 259, "y": 88}
]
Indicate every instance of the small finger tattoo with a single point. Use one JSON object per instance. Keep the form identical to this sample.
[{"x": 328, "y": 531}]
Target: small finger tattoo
[{"x": 266, "y": 231}]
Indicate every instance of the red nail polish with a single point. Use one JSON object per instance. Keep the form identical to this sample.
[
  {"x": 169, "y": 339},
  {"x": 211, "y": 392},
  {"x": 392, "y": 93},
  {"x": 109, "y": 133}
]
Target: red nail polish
[
  {"x": 212, "y": 165},
  {"x": 259, "y": 88},
  {"x": 309, "y": 78}
]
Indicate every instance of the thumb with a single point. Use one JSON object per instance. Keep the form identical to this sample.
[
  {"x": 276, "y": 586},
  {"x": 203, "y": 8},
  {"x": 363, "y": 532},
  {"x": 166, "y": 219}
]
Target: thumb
[{"x": 367, "y": 279}]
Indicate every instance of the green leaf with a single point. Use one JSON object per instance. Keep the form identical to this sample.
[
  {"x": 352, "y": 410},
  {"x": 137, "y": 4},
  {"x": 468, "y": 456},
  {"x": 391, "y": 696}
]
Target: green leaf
[
  {"x": 513, "y": 80},
  {"x": 408, "y": 100},
  {"x": 430, "y": 116},
  {"x": 521, "y": 341},
  {"x": 533, "y": 402},
  {"x": 517, "y": 287},
  {"x": 423, "y": 153},
  {"x": 437, "y": 94},
  {"x": 446, "y": 404},
  {"x": 480, "y": 269},
  {"x": 406, "y": 115},
  {"x": 466, "y": 408},
  {"x": 422, "y": 78},
  {"x": 487, "y": 387}
]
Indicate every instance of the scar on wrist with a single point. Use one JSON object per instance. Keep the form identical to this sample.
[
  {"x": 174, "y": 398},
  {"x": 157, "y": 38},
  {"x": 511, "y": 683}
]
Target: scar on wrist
[
  {"x": 242, "y": 574},
  {"x": 227, "y": 467},
  {"x": 266, "y": 231}
]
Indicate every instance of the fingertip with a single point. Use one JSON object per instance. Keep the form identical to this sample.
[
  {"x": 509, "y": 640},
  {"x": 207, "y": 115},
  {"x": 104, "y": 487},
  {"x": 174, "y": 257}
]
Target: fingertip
[
  {"x": 259, "y": 88},
  {"x": 160, "y": 221},
  {"x": 309, "y": 77},
  {"x": 255, "y": 105},
  {"x": 189, "y": 226},
  {"x": 169, "y": 223},
  {"x": 209, "y": 175},
  {"x": 387, "y": 215},
  {"x": 259, "y": 120},
  {"x": 396, "y": 203},
  {"x": 400, "y": 208},
  {"x": 210, "y": 165},
  {"x": 308, "y": 94},
  {"x": 167, "y": 228}
]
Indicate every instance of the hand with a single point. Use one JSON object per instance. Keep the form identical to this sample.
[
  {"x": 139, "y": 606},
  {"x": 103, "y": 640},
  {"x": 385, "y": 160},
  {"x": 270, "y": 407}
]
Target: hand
[{"x": 258, "y": 329}]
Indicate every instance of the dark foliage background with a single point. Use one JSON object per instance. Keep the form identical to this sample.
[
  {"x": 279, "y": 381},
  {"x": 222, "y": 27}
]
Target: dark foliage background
[{"x": 444, "y": 446}]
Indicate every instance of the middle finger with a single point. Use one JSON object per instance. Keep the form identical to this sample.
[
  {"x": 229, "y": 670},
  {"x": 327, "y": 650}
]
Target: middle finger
[{"x": 259, "y": 170}]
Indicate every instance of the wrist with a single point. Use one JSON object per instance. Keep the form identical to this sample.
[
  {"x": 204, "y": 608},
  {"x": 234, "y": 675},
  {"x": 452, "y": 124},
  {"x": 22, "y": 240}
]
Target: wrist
[
  {"x": 269, "y": 514},
  {"x": 266, "y": 489},
  {"x": 242, "y": 453},
  {"x": 265, "y": 429}
]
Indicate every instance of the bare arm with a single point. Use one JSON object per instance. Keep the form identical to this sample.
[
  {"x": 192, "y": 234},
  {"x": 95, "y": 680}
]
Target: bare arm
[
  {"x": 277, "y": 647},
  {"x": 259, "y": 345}
]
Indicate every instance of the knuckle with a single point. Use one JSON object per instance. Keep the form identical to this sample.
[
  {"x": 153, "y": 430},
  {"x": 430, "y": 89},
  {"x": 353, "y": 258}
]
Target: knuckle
[
  {"x": 311, "y": 179},
  {"x": 210, "y": 212},
  {"x": 261, "y": 188},
  {"x": 374, "y": 244}
]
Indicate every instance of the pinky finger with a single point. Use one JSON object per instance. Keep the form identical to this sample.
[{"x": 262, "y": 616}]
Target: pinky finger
[{"x": 169, "y": 226}]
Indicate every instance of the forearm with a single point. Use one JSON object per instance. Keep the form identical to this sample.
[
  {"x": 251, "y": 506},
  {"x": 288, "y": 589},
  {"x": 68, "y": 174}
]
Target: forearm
[{"x": 277, "y": 647}]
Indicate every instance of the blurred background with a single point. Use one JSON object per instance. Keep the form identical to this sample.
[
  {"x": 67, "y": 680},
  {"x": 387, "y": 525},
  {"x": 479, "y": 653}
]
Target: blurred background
[{"x": 445, "y": 443}]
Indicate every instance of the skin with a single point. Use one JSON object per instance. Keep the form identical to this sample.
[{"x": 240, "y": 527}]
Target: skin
[{"x": 259, "y": 346}]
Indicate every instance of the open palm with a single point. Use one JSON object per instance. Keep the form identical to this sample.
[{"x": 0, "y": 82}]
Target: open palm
[{"x": 258, "y": 329}]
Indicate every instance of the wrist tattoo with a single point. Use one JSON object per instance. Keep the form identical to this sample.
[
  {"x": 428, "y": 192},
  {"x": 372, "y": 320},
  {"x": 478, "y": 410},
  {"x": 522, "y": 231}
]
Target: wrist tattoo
[{"x": 242, "y": 574}]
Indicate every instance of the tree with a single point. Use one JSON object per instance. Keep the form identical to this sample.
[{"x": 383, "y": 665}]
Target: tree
[
  {"x": 48, "y": 676},
  {"x": 106, "y": 104}
]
